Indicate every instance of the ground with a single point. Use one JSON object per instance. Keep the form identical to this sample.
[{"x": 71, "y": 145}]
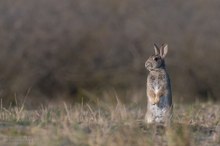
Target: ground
[{"x": 108, "y": 124}]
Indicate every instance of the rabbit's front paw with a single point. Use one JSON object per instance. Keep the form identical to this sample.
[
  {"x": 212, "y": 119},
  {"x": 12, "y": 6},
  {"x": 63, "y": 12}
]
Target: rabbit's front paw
[{"x": 154, "y": 100}]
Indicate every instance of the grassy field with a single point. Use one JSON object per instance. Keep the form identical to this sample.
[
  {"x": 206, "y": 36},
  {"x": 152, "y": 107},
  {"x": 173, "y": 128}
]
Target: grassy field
[{"x": 108, "y": 124}]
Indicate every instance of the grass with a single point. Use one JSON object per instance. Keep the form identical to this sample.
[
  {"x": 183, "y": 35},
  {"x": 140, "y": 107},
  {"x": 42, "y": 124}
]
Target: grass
[{"x": 108, "y": 124}]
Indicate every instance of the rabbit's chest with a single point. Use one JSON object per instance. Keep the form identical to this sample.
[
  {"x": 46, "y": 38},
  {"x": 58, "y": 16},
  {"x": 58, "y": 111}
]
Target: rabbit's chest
[{"x": 156, "y": 82}]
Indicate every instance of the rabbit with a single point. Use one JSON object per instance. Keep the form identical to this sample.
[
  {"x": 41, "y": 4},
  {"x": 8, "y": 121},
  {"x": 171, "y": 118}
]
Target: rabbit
[{"x": 159, "y": 94}]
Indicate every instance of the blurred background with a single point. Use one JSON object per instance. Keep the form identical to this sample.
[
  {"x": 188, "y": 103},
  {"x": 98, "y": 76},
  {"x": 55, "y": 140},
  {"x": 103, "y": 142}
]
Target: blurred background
[{"x": 63, "y": 50}]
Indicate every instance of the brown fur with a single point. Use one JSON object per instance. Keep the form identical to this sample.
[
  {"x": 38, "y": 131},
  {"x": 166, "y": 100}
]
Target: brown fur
[{"x": 158, "y": 87}]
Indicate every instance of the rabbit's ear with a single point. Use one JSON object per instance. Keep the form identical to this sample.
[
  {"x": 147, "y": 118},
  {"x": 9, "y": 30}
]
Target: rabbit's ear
[
  {"x": 156, "y": 49},
  {"x": 163, "y": 50}
]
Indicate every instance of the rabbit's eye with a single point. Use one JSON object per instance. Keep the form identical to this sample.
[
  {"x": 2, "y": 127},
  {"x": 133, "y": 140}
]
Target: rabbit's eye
[{"x": 156, "y": 58}]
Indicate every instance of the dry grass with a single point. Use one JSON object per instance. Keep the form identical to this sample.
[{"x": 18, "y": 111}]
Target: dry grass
[{"x": 108, "y": 124}]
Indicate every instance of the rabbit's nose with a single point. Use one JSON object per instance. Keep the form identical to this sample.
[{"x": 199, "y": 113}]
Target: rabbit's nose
[{"x": 147, "y": 65}]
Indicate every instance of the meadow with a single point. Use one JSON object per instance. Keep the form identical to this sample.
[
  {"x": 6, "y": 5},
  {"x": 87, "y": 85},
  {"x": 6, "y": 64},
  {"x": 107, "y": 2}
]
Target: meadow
[{"x": 104, "y": 122}]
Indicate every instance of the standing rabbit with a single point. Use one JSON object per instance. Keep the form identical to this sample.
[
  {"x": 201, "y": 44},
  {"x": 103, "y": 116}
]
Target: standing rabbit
[{"x": 159, "y": 94}]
